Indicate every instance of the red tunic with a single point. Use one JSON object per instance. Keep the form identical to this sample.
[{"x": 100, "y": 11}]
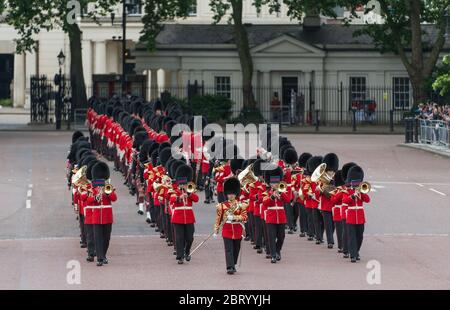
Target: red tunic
[
  {"x": 274, "y": 212},
  {"x": 101, "y": 210},
  {"x": 231, "y": 229},
  {"x": 182, "y": 212},
  {"x": 355, "y": 211}
]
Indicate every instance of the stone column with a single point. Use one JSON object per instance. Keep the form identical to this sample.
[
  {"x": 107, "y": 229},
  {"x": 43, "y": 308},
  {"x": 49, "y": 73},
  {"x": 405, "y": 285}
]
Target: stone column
[
  {"x": 87, "y": 65},
  {"x": 266, "y": 95},
  {"x": 100, "y": 57},
  {"x": 19, "y": 80}
]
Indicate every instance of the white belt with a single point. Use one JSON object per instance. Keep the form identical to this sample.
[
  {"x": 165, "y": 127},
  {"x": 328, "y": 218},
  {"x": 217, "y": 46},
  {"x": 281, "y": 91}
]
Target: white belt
[
  {"x": 98, "y": 207},
  {"x": 275, "y": 208},
  {"x": 182, "y": 208},
  {"x": 355, "y": 208},
  {"x": 233, "y": 223}
]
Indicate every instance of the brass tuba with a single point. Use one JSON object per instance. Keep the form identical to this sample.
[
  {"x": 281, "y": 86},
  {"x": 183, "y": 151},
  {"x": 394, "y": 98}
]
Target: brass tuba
[
  {"x": 79, "y": 178},
  {"x": 246, "y": 177},
  {"x": 321, "y": 175}
]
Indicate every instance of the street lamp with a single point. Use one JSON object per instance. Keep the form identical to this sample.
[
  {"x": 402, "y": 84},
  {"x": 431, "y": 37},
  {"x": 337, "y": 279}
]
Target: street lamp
[
  {"x": 59, "y": 81},
  {"x": 447, "y": 23},
  {"x": 126, "y": 4}
]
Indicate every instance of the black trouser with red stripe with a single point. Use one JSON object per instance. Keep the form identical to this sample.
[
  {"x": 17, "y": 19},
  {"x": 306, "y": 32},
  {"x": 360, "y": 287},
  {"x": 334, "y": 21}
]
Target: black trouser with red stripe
[
  {"x": 102, "y": 235},
  {"x": 339, "y": 233},
  {"x": 355, "y": 238},
  {"x": 329, "y": 226},
  {"x": 276, "y": 238},
  {"x": 232, "y": 249},
  {"x": 184, "y": 237}
]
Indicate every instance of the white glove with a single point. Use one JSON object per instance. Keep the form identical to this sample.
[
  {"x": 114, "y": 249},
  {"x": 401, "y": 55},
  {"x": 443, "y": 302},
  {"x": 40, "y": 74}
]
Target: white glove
[
  {"x": 215, "y": 236},
  {"x": 230, "y": 217}
]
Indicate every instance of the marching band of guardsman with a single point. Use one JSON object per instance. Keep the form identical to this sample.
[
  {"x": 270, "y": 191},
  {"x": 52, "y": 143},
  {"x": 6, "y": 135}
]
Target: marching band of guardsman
[{"x": 259, "y": 199}]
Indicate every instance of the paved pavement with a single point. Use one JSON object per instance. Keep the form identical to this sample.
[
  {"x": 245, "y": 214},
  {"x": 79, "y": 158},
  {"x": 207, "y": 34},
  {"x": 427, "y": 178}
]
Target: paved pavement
[{"x": 407, "y": 231}]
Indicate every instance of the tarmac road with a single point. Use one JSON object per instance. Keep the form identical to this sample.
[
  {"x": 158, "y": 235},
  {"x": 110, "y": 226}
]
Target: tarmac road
[{"x": 407, "y": 231}]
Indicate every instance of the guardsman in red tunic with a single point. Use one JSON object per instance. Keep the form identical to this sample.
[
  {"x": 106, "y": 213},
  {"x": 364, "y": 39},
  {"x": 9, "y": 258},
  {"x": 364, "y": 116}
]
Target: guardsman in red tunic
[
  {"x": 88, "y": 203},
  {"x": 102, "y": 214},
  {"x": 345, "y": 168},
  {"x": 222, "y": 172},
  {"x": 355, "y": 198},
  {"x": 257, "y": 189},
  {"x": 183, "y": 218},
  {"x": 290, "y": 158},
  {"x": 311, "y": 199},
  {"x": 231, "y": 216},
  {"x": 297, "y": 181},
  {"x": 337, "y": 195},
  {"x": 274, "y": 213},
  {"x": 324, "y": 190}
]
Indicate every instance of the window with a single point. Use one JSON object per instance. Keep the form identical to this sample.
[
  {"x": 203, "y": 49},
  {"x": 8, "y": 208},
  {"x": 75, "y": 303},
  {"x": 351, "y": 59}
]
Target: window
[
  {"x": 223, "y": 86},
  {"x": 357, "y": 90},
  {"x": 134, "y": 8},
  {"x": 400, "y": 92},
  {"x": 193, "y": 9}
]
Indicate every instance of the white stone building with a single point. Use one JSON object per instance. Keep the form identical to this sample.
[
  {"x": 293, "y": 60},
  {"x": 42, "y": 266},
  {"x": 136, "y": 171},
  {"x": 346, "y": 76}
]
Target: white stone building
[{"x": 102, "y": 54}]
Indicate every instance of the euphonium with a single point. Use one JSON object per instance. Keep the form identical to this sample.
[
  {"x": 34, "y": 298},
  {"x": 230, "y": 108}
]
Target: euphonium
[
  {"x": 364, "y": 188},
  {"x": 320, "y": 174},
  {"x": 246, "y": 177}
]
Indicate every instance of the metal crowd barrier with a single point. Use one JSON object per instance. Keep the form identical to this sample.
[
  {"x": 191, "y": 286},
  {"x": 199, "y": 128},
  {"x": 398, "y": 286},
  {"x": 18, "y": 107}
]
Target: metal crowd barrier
[{"x": 435, "y": 132}]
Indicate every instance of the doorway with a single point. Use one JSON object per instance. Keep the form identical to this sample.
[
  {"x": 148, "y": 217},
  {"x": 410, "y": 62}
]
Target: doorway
[{"x": 289, "y": 87}]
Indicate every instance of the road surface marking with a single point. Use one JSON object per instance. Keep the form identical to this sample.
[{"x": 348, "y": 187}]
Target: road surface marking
[
  {"x": 437, "y": 192},
  {"x": 30, "y": 185},
  {"x": 28, "y": 202},
  {"x": 421, "y": 185},
  {"x": 379, "y": 186},
  {"x": 373, "y": 190},
  {"x": 408, "y": 183}
]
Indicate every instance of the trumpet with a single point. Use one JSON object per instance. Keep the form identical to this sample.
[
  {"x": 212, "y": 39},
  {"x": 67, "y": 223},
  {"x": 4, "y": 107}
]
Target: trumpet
[
  {"x": 281, "y": 187},
  {"x": 364, "y": 188},
  {"x": 108, "y": 189},
  {"x": 191, "y": 187}
]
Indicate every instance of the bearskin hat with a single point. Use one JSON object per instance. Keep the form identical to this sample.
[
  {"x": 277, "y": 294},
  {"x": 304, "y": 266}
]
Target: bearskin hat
[
  {"x": 90, "y": 165},
  {"x": 312, "y": 164},
  {"x": 290, "y": 156},
  {"x": 184, "y": 174},
  {"x": 77, "y": 134},
  {"x": 164, "y": 156},
  {"x": 100, "y": 171},
  {"x": 303, "y": 159},
  {"x": 332, "y": 162},
  {"x": 139, "y": 138},
  {"x": 236, "y": 164},
  {"x": 355, "y": 175},
  {"x": 346, "y": 168},
  {"x": 232, "y": 186},
  {"x": 273, "y": 174},
  {"x": 154, "y": 157},
  {"x": 338, "y": 181}
]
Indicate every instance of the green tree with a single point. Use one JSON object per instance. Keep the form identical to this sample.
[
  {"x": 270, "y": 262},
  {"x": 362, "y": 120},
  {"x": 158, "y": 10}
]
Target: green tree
[
  {"x": 403, "y": 33},
  {"x": 31, "y": 17},
  {"x": 442, "y": 82}
]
